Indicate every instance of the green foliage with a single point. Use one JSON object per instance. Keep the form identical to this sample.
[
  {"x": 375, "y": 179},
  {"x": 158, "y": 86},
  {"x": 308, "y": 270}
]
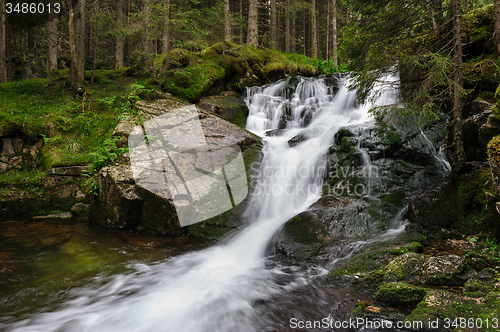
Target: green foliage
[{"x": 106, "y": 153}]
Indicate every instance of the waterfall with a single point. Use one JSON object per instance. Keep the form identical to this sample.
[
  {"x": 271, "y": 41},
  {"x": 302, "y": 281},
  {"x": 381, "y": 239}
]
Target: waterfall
[{"x": 217, "y": 289}]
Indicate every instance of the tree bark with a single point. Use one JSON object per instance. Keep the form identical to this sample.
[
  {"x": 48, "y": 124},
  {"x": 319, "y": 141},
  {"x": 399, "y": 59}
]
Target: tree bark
[
  {"x": 274, "y": 26},
  {"x": 304, "y": 35},
  {"x": 120, "y": 38},
  {"x": 227, "y": 21},
  {"x": 314, "y": 31},
  {"x": 334, "y": 34},
  {"x": 435, "y": 8},
  {"x": 328, "y": 43},
  {"x": 147, "y": 40},
  {"x": 52, "y": 40},
  {"x": 76, "y": 25},
  {"x": 293, "y": 39},
  {"x": 457, "y": 143},
  {"x": 287, "y": 27},
  {"x": 253, "y": 33},
  {"x": 496, "y": 5},
  {"x": 3, "y": 43},
  {"x": 241, "y": 22},
  {"x": 94, "y": 43},
  {"x": 166, "y": 32}
]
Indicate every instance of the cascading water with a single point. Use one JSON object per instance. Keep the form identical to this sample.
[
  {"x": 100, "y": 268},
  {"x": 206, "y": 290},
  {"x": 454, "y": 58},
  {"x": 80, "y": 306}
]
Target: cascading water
[{"x": 217, "y": 289}]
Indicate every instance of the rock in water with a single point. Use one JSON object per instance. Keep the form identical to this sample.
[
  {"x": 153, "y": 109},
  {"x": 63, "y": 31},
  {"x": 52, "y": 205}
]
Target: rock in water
[{"x": 125, "y": 200}]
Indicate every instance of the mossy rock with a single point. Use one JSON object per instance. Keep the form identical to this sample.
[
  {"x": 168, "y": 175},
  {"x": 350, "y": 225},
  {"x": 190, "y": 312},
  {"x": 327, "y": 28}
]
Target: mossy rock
[
  {"x": 493, "y": 150},
  {"x": 374, "y": 277},
  {"x": 397, "y": 198},
  {"x": 442, "y": 270},
  {"x": 403, "y": 266},
  {"x": 436, "y": 304},
  {"x": 368, "y": 310},
  {"x": 304, "y": 228},
  {"x": 477, "y": 288},
  {"x": 400, "y": 293}
]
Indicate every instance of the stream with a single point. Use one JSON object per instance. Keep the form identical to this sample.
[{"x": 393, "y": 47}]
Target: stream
[{"x": 72, "y": 276}]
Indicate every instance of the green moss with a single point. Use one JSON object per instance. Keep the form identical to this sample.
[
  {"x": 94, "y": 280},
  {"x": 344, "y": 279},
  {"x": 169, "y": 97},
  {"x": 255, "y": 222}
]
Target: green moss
[
  {"x": 397, "y": 198},
  {"x": 400, "y": 292},
  {"x": 374, "y": 277},
  {"x": 403, "y": 266},
  {"x": 476, "y": 288}
]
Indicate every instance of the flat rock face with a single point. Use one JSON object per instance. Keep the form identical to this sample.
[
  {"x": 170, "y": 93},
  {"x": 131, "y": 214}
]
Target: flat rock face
[
  {"x": 184, "y": 166},
  {"x": 437, "y": 208},
  {"x": 441, "y": 270},
  {"x": 227, "y": 106}
]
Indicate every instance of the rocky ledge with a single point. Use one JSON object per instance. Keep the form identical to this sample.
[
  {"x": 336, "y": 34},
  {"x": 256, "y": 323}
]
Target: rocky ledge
[{"x": 129, "y": 198}]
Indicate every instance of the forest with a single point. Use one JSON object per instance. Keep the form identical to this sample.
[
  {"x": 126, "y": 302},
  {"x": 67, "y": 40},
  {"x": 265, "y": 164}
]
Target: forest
[{"x": 407, "y": 88}]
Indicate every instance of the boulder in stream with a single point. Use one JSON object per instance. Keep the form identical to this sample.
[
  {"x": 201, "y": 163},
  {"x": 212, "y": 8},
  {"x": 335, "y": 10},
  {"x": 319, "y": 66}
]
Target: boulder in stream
[{"x": 130, "y": 198}]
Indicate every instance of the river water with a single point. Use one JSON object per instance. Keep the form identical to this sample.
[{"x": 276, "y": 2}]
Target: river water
[{"x": 82, "y": 278}]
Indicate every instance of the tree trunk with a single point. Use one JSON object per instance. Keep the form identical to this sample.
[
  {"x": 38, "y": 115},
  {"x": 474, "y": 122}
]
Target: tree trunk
[
  {"x": 120, "y": 38},
  {"x": 76, "y": 25},
  {"x": 457, "y": 143},
  {"x": 328, "y": 43},
  {"x": 80, "y": 40},
  {"x": 3, "y": 43},
  {"x": 227, "y": 21},
  {"x": 274, "y": 26},
  {"x": 253, "y": 33},
  {"x": 287, "y": 27},
  {"x": 435, "y": 9},
  {"x": 147, "y": 40},
  {"x": 304, "y": 35},
  {"x": 72, "y": 45},
  {"x": 334, "y": 34},
  {"x": 94, "y": 44},
  {"x": 166, "y": 32},
  {"x": 52, "y": 40},
  {"x": 292, "y": 36},
  {"x": 314, "y": 31},
  {"x": 241, "y": 22},
  {"x": 496, "y": 5}
]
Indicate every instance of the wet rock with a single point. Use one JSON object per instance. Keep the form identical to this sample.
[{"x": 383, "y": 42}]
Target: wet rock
[
  {"x": 62, "y": 215},
  {"x": 436, "y": 208},
  {"x": 80, "y": 209},
  {"x": 474, "y": 150},
  {"x": 117, "y": 204},
  {"x": 400, "y": 293},
  {"x": 297, "y": 140},
  {"x": 301, "y": 237},
  {"x": 403, "y": 266},
  {"x": 274, "y": 132},
  {"x": 22, "y": 204},
  {"x": 442, "y": 270}
]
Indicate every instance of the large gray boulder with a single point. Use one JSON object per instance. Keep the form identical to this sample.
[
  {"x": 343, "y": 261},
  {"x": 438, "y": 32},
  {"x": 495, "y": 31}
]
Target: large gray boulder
[
  {"x": 442, "y": 270},
  {"x": 133, "y": 194}
]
